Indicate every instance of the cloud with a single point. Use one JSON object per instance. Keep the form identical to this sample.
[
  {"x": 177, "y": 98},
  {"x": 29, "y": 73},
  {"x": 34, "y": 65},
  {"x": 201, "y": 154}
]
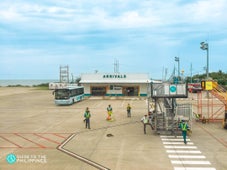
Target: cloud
[
  {"x": 101, "y": 15},
  {"x": 85, "y": 31}
]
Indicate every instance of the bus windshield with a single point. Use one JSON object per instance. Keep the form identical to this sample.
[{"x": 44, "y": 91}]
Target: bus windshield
[{"x": 62, "y": 94}]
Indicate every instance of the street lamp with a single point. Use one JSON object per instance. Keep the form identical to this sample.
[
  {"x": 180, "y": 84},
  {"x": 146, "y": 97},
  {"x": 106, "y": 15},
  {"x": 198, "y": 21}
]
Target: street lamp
[
  {"x": 205, "y": 46},
  {"x": 177, "y": 59}
]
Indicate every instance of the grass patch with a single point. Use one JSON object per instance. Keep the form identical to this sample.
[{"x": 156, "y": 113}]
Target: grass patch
[{"x": 44, "y": 86}]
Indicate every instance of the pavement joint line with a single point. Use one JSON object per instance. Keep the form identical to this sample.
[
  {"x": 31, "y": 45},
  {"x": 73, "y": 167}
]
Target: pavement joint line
[
  {"x": 81, "y": 158},
  {"x": 88, "y": 161}
]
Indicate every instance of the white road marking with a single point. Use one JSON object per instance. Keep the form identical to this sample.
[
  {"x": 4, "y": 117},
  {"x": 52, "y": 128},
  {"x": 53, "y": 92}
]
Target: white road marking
[
  {"x": 183, "y": 151},
  {"x": 188, "y": 156},
  {"x": 177, "y": 143},
  {"x": 180, "y": 147},
  {"x": 164, "y": 139},
  {"x": 183, "y": 155},
  {"x": 193, "y": 168},
  {"x": 190, "y": 162},
  {"x": 171, "y": 137}
]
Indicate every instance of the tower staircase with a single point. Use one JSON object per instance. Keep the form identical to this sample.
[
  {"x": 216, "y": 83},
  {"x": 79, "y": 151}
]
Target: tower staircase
[
  {"x": 166, "y": 122},
  {"x": 220, "y": 93}
]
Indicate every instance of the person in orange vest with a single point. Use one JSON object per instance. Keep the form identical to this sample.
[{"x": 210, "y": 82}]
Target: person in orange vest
[
  {"x": 184, "y": 127},
  {"x": 129, "y": 110},
  {"x": 109, "y": 112}
]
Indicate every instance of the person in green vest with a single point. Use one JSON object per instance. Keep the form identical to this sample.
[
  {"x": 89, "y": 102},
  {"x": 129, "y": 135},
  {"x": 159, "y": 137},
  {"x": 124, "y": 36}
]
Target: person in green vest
[
  {"x": 87, "y": 116},
  {"x": 184, "y": 127}
]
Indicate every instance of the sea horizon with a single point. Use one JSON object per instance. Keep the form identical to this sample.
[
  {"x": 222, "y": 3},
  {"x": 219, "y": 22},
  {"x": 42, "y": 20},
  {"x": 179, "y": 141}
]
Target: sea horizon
[{"x": 25, "y": 82}]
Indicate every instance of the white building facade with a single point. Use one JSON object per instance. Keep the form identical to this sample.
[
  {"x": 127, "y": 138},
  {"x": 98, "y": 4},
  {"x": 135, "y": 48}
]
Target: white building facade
[{"x": 115, "y": 84}]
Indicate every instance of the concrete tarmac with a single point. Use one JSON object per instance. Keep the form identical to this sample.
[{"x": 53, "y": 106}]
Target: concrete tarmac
[{"x": 37, "y": 134}]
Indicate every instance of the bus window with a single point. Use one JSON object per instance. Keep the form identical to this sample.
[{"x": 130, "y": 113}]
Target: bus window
[{"x": 61, "y": 94}]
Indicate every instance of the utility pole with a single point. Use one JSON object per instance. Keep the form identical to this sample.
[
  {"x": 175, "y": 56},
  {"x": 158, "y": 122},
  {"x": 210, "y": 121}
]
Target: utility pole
[
  {"x": 116, "y": 66},
  {"x": 177, "y": 59},
  {"x": 191, "y": 72}
]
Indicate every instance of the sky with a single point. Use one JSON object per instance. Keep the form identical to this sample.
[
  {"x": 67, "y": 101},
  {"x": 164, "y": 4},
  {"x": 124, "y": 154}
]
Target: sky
[{"x": 144, "y": 36}]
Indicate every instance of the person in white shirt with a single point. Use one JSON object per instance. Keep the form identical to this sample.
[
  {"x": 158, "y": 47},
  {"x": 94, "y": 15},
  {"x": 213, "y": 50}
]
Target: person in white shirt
[{"x": 145, "y": 121}]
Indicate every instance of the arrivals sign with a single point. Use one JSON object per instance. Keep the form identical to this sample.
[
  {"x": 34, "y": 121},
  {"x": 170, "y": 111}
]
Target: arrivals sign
[{"x": 114, "y": 76}]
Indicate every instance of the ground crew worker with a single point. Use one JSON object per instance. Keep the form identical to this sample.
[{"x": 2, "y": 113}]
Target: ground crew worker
[
  {"x": 184, "y": 127},
  {"x": 145, "y": 121},
  {"x": 109, "y": 112},
  {"x": 87, "y": 116},
  {"x": 129, "y": 110},
  {"x": 197, "y": 116},
  {"x": 204, "y": 120}
]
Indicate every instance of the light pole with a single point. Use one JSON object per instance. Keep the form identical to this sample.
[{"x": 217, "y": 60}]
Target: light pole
[
  {"x": 205, "y": 46},
  {"x": 177, "y": 59}
]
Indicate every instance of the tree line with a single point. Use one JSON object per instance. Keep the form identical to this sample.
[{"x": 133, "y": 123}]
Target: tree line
[{"x": 220, "y": 77}]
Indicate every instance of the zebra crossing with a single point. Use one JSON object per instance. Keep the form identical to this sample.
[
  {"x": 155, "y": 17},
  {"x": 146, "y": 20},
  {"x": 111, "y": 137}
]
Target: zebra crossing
[{"x": 185, "y": 157}]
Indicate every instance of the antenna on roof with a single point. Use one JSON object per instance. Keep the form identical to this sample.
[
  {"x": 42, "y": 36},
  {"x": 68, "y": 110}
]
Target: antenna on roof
[{"x": 116, "y": 66}]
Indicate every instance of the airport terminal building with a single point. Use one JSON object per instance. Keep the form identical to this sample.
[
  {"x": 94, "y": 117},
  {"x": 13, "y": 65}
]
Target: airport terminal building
[{"x": 115, "y": 84}]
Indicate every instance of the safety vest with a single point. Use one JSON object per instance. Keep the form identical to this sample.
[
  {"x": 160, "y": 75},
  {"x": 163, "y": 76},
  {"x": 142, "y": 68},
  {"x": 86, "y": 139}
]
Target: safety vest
[
  {"x": 87, "y": 115},
  {"x": 109, "y": 108},
  {"x": 184, "y": 126},
  {"x": 145, "y": 120}
]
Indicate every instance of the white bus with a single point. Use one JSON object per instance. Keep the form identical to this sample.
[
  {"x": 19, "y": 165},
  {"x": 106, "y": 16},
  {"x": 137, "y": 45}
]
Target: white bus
[{"x": 69, "y": 95}]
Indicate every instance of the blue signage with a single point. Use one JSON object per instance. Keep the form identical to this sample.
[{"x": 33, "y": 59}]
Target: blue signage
[{"x": 172, "y": 89}]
